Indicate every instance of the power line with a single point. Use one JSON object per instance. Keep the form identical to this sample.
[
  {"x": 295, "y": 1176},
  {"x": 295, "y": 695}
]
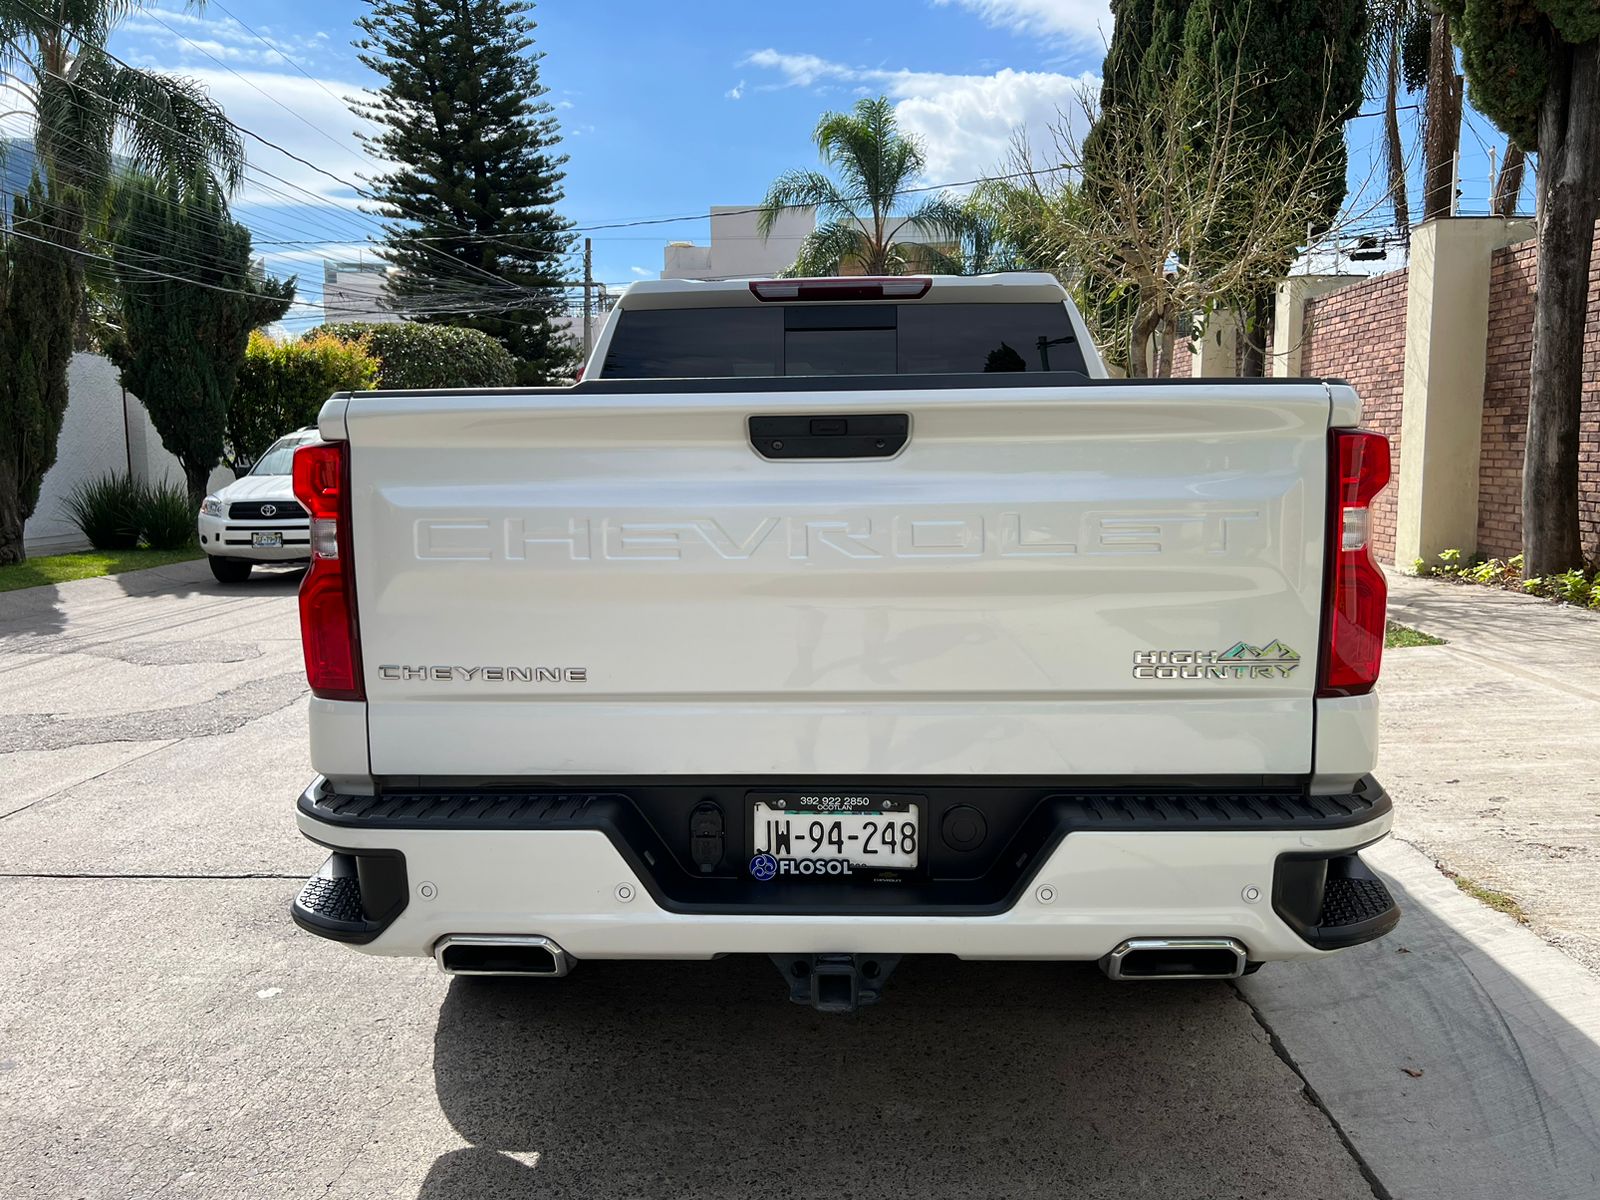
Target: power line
[{"x": 288, "y": 58}]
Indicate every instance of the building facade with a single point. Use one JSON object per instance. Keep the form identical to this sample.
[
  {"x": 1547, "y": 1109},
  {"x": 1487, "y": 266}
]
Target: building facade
[{"x": 356, "y": 291}]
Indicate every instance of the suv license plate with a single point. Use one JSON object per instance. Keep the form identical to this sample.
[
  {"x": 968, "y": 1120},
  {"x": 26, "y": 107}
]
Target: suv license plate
[
  {"x": 268, "y": 540},
  {"x": 878, "y": 833}
]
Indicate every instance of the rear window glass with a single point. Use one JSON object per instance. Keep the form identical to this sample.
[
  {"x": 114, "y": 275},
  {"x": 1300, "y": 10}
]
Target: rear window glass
[{"x": 842, "y": 339}]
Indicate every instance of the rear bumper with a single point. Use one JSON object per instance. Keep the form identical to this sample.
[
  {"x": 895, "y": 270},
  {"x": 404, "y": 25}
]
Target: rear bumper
[{"x": 423, "y": 867}]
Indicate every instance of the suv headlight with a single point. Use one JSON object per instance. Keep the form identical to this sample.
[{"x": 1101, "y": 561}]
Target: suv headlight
[{"x": 211, "y": 507}]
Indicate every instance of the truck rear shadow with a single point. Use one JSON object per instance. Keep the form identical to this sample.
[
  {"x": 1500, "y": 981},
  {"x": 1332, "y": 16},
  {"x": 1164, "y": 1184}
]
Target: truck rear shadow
[{"x": 993, "y": 1079}]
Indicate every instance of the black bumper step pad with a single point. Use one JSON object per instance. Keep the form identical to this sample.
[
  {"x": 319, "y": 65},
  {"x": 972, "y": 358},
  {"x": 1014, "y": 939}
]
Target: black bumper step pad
[
  {"x": 1354, "y": 901},
  {"x": 353, "y": 897},
  {"x": 1332, "y": 901},
  {"x": 332, "y": 899}
]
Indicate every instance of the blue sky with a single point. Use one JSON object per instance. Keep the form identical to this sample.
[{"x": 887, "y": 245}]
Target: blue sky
[{"x": 666, "y": 107}]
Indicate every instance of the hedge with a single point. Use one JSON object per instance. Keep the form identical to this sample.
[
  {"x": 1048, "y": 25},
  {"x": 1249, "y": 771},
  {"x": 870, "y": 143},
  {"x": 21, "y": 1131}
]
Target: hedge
[
  {"x": 429, "y": 356},
  {"x": 282, "y": 386}
]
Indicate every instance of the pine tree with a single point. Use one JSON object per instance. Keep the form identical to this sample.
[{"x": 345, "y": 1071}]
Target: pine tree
[
  {"x": 41, "y": 281},
  {"x": 182, "y": 340},
  {"x": 471, "y": 223}
]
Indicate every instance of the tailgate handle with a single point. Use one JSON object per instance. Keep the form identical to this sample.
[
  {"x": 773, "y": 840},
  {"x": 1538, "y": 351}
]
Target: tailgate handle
[{"x": 830, "y": 435}]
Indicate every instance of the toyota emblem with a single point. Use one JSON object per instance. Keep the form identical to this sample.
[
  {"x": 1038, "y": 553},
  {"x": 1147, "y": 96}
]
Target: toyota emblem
[{"x": 269, "y": 510}]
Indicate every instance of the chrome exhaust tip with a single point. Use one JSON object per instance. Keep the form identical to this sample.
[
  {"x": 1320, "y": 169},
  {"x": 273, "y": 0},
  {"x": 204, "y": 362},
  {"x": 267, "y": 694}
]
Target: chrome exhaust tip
[
  {"x": 506, "y": 954},
  {"x": 1176, "y": 958}
]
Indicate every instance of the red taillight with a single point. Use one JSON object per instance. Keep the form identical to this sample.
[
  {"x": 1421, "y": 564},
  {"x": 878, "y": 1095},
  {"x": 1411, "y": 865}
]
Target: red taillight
[
  {"x": 859, "y": 287},
  {"x": 1353, "y": 618},
  {"x": 328, "y": 631}
]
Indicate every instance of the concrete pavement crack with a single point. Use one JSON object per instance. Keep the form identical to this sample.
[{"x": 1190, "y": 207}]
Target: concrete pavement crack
[
  {"x": 223, "y": 713},
  {"x": 1379, "y": 1191},
  {"x": 79, "y": 783}
]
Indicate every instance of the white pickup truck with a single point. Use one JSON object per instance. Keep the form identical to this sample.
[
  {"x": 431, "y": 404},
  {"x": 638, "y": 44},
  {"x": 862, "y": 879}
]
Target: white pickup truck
[{"x": 840, "y": 620}]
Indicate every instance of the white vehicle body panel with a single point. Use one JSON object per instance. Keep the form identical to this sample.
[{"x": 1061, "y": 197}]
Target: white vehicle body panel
[{"x": 980, "y": 598}]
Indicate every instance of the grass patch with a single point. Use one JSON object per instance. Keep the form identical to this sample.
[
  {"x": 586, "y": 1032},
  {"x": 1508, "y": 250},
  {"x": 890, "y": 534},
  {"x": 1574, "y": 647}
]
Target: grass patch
[
  {"x": 1499, "y": 901},
  {"x": 1398, "y": 635},
  {"x": 59, "y": 568}
]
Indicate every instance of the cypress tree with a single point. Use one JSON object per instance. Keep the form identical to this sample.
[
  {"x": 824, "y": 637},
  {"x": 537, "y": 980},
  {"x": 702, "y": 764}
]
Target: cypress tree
[
  {"x": 1298, "y": 67},
  {"x": 1136, "y": 79},
  {"x": 470, "y": 207},
  {"x": 41, "y": 281},
  {"x": 182, "y": 340}
]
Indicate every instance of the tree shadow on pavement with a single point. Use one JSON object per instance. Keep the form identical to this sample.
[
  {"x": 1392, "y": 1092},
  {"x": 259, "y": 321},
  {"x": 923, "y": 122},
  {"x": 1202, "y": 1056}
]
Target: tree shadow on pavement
[
  {"x": 992, "y": 1079},
  {"x": 195, "y": 578},
  {"x": 30, "y": 613}
]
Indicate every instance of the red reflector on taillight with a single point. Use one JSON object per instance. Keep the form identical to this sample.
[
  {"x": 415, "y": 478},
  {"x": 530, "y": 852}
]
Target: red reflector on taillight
[
  {"x": 329, "y": 634},
  {"x": 1353, "y": 616},
  {"x": 857, "y": 287}
]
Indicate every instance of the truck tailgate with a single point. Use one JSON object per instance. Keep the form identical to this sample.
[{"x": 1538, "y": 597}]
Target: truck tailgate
[{"x": 1119, "y": 579}]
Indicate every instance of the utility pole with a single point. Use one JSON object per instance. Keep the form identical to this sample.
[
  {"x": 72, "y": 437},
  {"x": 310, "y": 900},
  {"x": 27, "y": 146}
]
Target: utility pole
[{"x": 588, "y": 287}]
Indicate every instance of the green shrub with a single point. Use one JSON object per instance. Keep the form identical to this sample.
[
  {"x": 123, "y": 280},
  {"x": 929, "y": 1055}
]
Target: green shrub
[
  {"x": 429, "y": 356},
  {"x": 1493, "y": 571},
  {"x": 107, "y": 511},
  {"x": 165, "y": 517},
  {"x": 1572, "y": 586},
  {"x": 282, "y": 387}
]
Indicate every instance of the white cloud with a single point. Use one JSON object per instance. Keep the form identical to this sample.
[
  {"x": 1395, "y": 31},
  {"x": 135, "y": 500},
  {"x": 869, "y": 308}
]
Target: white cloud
[
  {"x": 801, "y": 70},
  {"x": 190, "y": 36},
  {"x": 1082, "y": 22},
  {"x": 643, "y": 272},
  {"x": 736, "y": 91},
  {"x": 313, "y": 123},
  {"x": 966, "y": 122}
]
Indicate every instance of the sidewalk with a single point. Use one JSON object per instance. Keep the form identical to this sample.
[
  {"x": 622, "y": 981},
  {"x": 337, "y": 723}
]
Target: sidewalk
[{"x": 1491, "y": 749}]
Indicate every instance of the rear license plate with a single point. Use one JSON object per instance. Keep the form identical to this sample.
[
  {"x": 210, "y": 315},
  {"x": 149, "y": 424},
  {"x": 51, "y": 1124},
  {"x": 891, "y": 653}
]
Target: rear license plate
[
  {"x": 267, "y": 540},
  {"x": 804, "y": 835}
]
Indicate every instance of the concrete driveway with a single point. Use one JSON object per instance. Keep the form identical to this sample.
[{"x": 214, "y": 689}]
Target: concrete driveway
[{"x": 164, "y": 1029}]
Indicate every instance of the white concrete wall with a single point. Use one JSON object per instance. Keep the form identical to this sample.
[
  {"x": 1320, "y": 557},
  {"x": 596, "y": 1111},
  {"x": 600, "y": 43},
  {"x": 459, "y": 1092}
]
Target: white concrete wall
[
  {"x": 103, "y": 432},
  {"x": 738, "y": 251},
  {"x": 737, "y": 248},
  {"x": 1441, "y": 409}
]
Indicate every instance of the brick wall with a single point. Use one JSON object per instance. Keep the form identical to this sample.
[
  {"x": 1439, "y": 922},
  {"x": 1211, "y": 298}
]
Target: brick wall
[
  {"x": 1358, "y": 334},
  {"x": 1182, "y": 359},
  {"x": 1505, "y": 405}
]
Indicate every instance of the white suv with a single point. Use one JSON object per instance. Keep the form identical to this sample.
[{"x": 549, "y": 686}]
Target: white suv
[{"x": 256, "y": 517}]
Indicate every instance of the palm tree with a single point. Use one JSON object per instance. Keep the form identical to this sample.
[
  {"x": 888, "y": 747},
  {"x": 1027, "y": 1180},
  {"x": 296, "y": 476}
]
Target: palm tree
[
  {"x": 53, "y": 52},
  {"x": 83, "y": 99},
  {"x": 867, "y": 207},
  {"x": 1391, "y": 23}
]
